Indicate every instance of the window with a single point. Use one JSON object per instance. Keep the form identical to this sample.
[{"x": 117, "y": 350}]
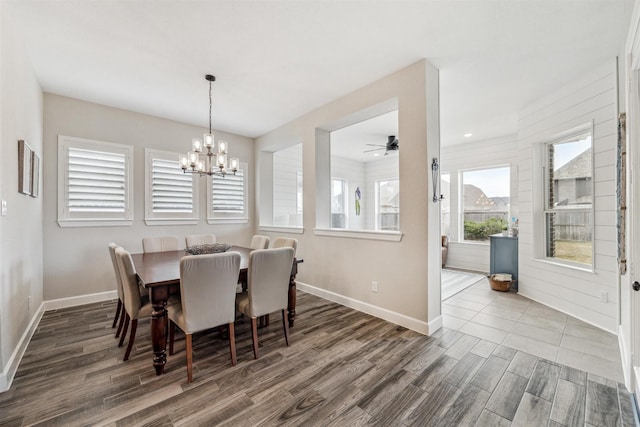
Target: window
[
  {"x": 338, "y": 203},
  {"x": 287, "y": 187},
  {"x": 227, "y": 197},
  {"x": 94, "y": 183},
  {"x": 486, "y": 201},
  {"x": 171, "y": 196},
  {"x": 569, "y": 200},
  {"x": 388, "y": 205},
  {"x": 445, "y": 204}
]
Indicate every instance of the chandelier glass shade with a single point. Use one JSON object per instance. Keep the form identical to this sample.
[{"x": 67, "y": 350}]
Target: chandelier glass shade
[{"x": 203, "y": 159}]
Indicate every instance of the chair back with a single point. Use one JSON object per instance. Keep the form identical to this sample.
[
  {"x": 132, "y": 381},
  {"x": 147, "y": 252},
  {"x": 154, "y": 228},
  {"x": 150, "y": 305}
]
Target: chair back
[
  {"x": 268, "y": 280},
  {"x": 259, "y": 242},
  {"x": 208, "y": 289},
  {"x": 160, "y": 244},
  {"x": 116, "y": 269},
  {"x": 200, "y": 239},
  {"x": 283, "y": 242},
  {"x": 132, "y": 300}
]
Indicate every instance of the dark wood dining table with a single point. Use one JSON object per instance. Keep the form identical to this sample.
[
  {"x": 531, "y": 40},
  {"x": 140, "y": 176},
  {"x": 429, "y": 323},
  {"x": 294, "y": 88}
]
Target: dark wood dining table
[{"x": 159, "y": 272}]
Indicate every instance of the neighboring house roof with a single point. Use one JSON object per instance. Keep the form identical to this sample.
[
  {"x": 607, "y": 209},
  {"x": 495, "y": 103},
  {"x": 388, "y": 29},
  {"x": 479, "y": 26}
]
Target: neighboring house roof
[
  {"x": 474, "y": 198},
  {"x": 579, "y": 167}
]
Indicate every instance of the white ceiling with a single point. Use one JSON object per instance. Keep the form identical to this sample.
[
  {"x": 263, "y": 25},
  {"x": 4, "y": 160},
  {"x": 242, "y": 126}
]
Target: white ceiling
[
  {"x": 352, "y": 141},
  {"x": 275, "y": 61}
]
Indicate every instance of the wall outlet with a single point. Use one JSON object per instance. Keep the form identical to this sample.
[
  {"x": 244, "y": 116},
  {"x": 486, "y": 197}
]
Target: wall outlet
[
  {"x": 604, "y": 296},
  {"x": 374, "y": 286},
  {"x": 29, "y": 303},
  {"x": 4, "y": 208}
]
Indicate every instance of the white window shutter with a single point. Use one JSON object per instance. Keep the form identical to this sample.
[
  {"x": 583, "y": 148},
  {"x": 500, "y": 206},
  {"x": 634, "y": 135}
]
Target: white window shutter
[
  {"x": 171, "y": 189},
  {"x": 228, "y": 194}
]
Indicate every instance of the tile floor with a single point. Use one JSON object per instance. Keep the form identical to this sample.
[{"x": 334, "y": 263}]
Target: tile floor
[{"x": 522, "y": 324}]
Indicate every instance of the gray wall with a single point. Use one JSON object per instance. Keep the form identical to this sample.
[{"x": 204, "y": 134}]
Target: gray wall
[{"x": 76, "y": 260}]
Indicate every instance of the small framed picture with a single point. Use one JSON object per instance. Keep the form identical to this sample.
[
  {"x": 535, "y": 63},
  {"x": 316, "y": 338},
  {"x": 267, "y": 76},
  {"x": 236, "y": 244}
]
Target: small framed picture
[
  {"x": 35, "y": 174},
  {"x": 24, "y": 168}
]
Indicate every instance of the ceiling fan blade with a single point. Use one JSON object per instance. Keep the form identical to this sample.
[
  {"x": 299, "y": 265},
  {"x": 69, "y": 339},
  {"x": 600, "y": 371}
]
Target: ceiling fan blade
[
  {"x": 375, "y": 149},
  {"x": 376, "y": 145}
]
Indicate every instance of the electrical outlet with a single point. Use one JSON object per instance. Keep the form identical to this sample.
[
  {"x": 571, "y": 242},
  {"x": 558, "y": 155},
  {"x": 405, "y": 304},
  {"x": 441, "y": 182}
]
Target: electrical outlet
[
  {"x": 4, "y": 208},
  {"x": 374, "y": 286},
  {"x": 604, "y": 296},
  {"x": 29, "y": 303}
]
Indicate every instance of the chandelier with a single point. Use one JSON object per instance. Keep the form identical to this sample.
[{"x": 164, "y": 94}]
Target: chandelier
[{"x": 209, "y": 163}]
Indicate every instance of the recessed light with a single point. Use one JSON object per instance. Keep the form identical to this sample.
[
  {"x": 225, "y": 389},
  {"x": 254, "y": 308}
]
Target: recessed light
[
  {"x": 468, "y": 135},
  {"x": 376, "y": 154}
]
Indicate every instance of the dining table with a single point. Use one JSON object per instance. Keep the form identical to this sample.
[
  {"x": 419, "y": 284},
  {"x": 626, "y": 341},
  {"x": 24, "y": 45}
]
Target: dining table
[{"x": 159, "y": 273}]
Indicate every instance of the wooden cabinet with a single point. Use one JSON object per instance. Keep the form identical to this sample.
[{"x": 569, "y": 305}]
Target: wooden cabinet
[{"x": 504, "y": 256}]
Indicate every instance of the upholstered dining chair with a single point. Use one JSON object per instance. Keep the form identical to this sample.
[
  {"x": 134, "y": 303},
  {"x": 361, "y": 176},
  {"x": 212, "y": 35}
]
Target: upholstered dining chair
[
  {"x": 120, "y": 308},
  {"x": 259, "y": 242},
  {"x": 268, "y": 288},
  {"x": 284, "y": 242},
  {"x": 200, "y": 239},
  {"x": 160, "y": 244},
  {"x": 135, "y": 306},
  {"x": 208, "y": 292}
]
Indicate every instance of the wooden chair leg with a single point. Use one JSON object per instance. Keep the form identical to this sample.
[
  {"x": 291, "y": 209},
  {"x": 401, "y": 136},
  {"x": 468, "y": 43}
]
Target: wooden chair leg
[
  {"x": 189, "y": 358},
  {"x": 254, "y": 336},
  {"x": 172, "y": 336},
  {"x": 232, "y": 343},
  {"x": 124, "y": 331},
  {"x": 115, "y": 319},
  {"x": 132, "y": 337},
  {"x": 121, "y": 323},
  {"x": 286, "y": 327}
]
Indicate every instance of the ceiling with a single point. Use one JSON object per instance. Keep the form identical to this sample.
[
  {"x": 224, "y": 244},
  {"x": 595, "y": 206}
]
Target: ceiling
[{"x": 277, "y": 60}]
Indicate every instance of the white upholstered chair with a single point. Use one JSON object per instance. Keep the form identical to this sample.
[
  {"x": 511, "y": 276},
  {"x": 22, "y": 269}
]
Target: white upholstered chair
[
  {"x": 208, "y": 292},
  {"x": 120, "y": 307},
  {"x": 259, "y": 242},
  {"x": 268, "y": 288},
  {"x": 284, "y": 242},
  {"x": 135, "y": 306},
  {"x": 160, "y": 244},
  {"x": 200, "y": 239}
]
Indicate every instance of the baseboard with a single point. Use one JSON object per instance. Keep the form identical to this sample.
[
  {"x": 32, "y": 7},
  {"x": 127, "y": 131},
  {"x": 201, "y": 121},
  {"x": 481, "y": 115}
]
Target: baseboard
[
  {"x": 382, "y": 313},
  {"x": 10, "y": 369},
  {"x": 57, "y": 304}
]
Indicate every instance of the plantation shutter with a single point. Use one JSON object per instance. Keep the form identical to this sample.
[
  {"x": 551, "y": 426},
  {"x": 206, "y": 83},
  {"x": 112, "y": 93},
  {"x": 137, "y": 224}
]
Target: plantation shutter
[
  {"x": 171, "y": 189},
  {"x": 96, "y": 181},
  {"x": 228, "y": 194}
]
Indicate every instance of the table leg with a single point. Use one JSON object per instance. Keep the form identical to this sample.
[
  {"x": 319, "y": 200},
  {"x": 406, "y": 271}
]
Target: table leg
[
  {"x": 158, "y": 335},
  {"x": 291, "y": 306}
]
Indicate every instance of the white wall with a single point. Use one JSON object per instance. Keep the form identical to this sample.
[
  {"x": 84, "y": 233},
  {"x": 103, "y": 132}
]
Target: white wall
[
  {"x": 21, "y": 230},
  {"x": 76, "y": 260},
  {"x": 342, "y": 268},
  {"x": 502, "y": 151},
  {"x": 573, "y": 291}
]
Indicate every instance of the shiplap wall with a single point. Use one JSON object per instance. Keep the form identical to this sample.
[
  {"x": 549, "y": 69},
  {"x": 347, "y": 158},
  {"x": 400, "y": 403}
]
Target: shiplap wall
[
  {"x": 475, "y": 155},
  {"x": 573, "y": 291},
  {"x": 286, "y": 164}
]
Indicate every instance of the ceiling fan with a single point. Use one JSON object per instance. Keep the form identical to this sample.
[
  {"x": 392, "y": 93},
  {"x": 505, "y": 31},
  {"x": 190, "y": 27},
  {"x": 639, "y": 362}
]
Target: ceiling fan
[{"x": 392, "y": 145}]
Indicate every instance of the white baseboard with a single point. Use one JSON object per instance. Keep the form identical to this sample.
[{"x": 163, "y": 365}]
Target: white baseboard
[
  {"x": 382, "y": 313},
  {"x": 10, "y": 369},
  {"x": 56, "y": 304}
]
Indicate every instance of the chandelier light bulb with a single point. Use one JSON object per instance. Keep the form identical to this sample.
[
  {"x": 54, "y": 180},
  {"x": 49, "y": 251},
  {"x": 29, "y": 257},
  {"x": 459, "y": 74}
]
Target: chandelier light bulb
[
  {"x": 208, "y": 140},
  {"x": 197, "y": 144},
  {"x": 222, "y": 147},
  {"x": 234, "y": 164}
]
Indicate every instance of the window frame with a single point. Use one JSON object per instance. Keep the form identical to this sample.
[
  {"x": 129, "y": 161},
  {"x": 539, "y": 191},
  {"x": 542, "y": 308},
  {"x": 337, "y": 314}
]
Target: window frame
[
  {"x": 377, "y": 213},
  {"x": 93, "y": 219},
  {"x": 566, "y": 137},
  {"x": 167, "y": 218},
  {"x": 345, "y": 202},
  {"x": 243, "y": 218}
]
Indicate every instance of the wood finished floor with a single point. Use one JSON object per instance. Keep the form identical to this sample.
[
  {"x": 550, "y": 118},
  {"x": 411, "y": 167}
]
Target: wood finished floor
[{"x": 343, "y": 368}]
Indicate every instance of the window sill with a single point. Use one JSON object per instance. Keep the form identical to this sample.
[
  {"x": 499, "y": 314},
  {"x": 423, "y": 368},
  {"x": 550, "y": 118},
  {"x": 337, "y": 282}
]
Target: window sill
[
  {"x": 570, "y": 266},
  {"x": 227, "y": 220},
  {"x": 281, "y": 229},
  {"x": 167, "y": 221},
  {"x": 69, "y": 223},
  {"x": 389, "y": 236}
]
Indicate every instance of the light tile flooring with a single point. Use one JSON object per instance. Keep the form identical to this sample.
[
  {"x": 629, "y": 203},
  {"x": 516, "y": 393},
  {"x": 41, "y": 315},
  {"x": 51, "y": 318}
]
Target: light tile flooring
[{"x": 520, "y": 323}]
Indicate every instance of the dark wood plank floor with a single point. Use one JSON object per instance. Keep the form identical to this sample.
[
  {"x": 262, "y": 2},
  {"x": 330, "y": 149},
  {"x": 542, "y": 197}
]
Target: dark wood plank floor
[{"x": 343, "y": 368}]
